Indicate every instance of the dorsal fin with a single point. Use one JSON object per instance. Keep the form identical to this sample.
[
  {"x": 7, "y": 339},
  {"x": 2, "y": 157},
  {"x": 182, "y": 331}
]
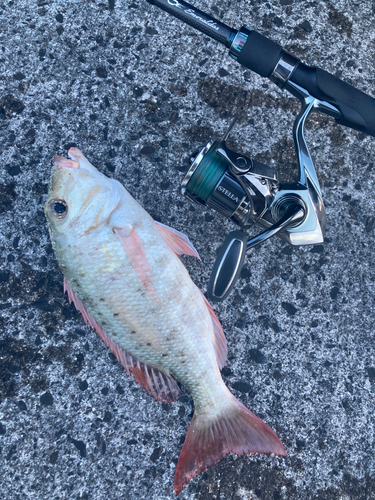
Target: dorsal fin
[
  {"x": 160, "y": 386},
  {"x": 179, "y": 242},
  {"x": 220, "y": 343}
]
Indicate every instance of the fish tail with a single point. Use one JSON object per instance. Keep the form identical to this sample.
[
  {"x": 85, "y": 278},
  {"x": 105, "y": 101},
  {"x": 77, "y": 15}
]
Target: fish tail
[{"x": 235, "y": 430}]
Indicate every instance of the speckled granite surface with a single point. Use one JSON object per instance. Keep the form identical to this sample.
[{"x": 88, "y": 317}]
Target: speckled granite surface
[{"x": 138, "y": 91}]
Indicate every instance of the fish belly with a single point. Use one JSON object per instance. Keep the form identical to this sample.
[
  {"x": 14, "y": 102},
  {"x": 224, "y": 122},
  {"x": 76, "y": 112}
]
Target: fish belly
[{"x": 168, "y": 327}]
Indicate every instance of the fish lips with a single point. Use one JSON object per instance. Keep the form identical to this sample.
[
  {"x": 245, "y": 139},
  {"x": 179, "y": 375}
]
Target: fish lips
[{"x": 61, "y": 162}]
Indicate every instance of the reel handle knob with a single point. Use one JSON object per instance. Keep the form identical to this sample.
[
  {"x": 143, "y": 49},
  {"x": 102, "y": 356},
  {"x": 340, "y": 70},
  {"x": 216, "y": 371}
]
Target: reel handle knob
[{"x": 227, "y": 267}]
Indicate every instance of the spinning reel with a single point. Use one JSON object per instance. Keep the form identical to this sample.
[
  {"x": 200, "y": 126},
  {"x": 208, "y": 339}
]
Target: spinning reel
[{"x": 249, "y": 192}]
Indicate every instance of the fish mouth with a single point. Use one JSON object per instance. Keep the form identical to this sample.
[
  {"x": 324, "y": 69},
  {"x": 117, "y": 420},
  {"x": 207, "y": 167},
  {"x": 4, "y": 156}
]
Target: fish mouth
[
  {"x": 75, "y": 156},
  {"x": 76, "y": 161},
  {"x": 61, "y": 162},
  {"x": 63, "y": 167}
]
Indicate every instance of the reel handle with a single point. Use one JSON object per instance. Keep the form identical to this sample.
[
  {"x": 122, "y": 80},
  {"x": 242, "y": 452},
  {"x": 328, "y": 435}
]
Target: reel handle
[
  {"x": 231, "y": 255},
  {"x": 294, "y": 214}
]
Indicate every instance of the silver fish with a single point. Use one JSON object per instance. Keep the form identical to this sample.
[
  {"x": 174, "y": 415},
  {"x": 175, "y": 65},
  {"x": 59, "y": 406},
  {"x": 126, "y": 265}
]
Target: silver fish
[{"x": 122, "y": 271}]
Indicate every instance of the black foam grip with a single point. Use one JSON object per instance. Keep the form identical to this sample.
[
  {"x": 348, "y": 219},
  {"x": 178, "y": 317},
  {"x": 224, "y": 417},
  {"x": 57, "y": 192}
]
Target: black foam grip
[
  {"x": 357, "y": 109},
  {"x": 260, "y": 54}
]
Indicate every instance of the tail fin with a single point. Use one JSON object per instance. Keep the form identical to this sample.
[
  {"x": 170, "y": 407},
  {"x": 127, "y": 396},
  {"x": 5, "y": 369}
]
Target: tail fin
[{"x": 235, "y": 430}]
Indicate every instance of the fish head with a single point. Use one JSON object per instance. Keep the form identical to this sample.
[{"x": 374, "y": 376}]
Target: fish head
[{"x": 80, "y": 198}]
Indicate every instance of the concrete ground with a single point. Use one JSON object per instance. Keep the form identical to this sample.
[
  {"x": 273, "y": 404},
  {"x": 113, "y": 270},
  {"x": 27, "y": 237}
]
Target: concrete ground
[{"x": 138, "y": 91}]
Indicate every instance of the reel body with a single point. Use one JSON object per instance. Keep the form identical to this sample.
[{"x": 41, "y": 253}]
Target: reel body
[{"x": 249, "y": 193}]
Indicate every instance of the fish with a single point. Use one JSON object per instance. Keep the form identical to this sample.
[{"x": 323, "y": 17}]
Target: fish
[{"x": 122, "y": 270}]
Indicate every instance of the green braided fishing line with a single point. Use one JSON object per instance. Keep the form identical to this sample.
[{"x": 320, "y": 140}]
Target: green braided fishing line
[{"x": 207, "y": 175}]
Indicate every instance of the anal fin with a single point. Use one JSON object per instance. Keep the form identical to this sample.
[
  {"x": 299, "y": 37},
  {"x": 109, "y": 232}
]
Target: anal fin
[{"x": 160, "y": 386}]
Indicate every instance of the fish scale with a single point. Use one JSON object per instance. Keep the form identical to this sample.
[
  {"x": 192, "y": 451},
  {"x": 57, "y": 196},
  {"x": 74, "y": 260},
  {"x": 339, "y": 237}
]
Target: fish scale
[
  {"x": 122, "y": 271},
  {"x": 137, "y": 310}
]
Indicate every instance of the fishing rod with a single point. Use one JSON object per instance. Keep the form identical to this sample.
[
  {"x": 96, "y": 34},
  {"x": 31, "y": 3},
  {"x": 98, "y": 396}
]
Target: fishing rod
[{"x": 247, "y": 191}]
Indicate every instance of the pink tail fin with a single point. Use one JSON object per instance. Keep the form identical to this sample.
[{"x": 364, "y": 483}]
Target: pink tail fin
[{"x": 236, "y": 430}]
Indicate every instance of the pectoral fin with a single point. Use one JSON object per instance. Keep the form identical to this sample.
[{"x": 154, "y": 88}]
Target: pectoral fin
[
  {"x": 134, "y": 249},
  {"x": 179, "y": 243}
]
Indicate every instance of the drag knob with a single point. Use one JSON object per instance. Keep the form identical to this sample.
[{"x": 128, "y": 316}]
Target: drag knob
[{"x": 227, "y": 266}]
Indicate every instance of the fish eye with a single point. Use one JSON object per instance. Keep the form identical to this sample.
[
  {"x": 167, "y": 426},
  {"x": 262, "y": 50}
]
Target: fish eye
[{"x": 59, "y": 208}]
